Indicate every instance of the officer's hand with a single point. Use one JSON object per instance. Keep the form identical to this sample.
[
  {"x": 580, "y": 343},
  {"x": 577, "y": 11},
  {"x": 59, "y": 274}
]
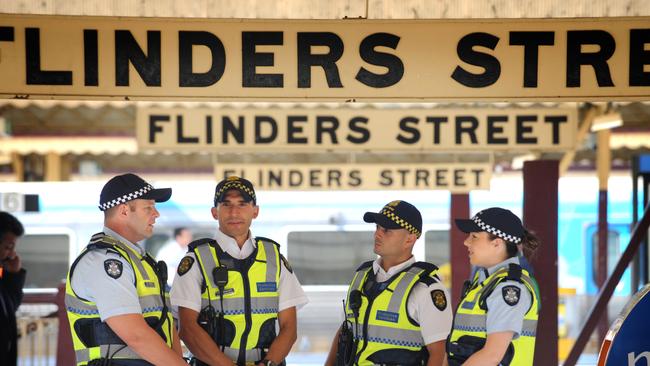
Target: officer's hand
[{"x": 13, "y": 263}]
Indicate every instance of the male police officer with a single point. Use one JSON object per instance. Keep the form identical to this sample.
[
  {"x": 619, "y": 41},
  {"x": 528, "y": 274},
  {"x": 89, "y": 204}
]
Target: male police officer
[
  {"x": 396, "y": 309},
  {"x": 231, "y": 291},
  {"x": 115, "y": 291}
]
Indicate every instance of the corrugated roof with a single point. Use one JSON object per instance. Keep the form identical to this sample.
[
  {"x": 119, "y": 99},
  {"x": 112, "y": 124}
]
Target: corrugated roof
[{"x": 95, "y": 145}]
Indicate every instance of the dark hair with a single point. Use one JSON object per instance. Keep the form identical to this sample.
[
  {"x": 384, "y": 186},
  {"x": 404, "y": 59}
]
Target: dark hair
[
  {"x": 179, "y": 230},
  {"x": 529, "y": 244},
  {"x": 10, "y": 224}
]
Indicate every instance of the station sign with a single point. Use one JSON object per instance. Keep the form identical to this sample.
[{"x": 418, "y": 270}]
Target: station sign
[
  {"x": 82, "y": 57},
  {"x": 356, "y": 129},
  {"x": 456, "y": 178}
]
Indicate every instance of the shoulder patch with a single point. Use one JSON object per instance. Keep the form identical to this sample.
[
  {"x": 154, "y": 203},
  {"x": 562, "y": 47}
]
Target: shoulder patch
[
  {"x": 286, "y": 263},
  {"x": 439, "y": 299},
  {"x": 185, "y": 265},
  {"x": 113, "y": 268},
  {"x": 511, "y": 294}
]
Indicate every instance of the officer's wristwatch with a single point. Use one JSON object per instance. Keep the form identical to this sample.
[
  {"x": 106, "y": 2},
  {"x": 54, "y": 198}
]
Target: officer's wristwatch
[{"x": 266, "y": 362}]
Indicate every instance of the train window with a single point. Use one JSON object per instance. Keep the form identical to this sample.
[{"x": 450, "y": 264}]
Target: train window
[
  {"x": 613, "y": 251},
  {"x": 436, "y": 247},
  {"x": 328, "y": 257},
  {"x": 45, "y": 256}
]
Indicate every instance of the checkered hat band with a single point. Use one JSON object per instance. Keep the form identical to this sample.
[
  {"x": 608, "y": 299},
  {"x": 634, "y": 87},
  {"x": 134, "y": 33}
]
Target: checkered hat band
[
  {"x": 125, "y": 198},
  {"x": 398, "y": 220},
  {"x": 236, "y": 185},
  {"x": 495, "y": 231}
]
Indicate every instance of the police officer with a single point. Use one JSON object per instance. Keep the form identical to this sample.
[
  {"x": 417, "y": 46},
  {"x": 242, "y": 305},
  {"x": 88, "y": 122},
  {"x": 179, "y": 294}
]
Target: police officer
[
  {"x": 396, "y": 308},
  {"x": 115, "y": 291},
  {"x": 232, "y": 290},
  {"x": 496, "y": 320}
]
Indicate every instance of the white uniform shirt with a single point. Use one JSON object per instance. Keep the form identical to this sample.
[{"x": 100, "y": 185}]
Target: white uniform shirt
[
  {"x": 113, "y": 296},
  {"x": 186, "y": 290},
  {"x": 435, "y": 324},
  {"x": 171, "y": 253},
  {"x": 502, "y": 316}
]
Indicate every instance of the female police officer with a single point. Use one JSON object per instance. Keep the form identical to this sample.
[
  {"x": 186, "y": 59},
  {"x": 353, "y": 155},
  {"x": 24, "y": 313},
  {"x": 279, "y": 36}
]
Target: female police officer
[{"x": 496, "y": 319}]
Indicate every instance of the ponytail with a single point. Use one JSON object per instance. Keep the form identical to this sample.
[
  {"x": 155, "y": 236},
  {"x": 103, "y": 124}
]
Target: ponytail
[{"x": 529, "y": 243}]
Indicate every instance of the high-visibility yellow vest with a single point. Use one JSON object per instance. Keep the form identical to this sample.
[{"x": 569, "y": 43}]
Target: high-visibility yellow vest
[
  {"x": 384, "y": 333},
  {"x": 250, "y": 297},
  {"x": 469, "y": 330},
  {"x": 92, "y": 338}
]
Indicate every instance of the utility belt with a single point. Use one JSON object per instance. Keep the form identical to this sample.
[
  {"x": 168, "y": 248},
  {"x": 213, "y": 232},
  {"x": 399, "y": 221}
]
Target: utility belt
[
  {"x": 196, "y": 362},
  {"x": 460, "y": 350},
  {"x": 107, "y": 362}
]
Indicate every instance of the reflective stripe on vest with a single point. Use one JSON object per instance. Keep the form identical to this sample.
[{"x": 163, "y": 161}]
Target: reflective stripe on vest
[
  {"x": 147, "y": 289},
  {"x": 388, "y": 326},
  {"x": 471, "y": 320},
  {"x": 263, "y": 281}
]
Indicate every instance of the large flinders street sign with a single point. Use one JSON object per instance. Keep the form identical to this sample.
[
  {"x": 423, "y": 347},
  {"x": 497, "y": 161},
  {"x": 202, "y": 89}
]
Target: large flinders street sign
[{"x": 363, "y": 60}]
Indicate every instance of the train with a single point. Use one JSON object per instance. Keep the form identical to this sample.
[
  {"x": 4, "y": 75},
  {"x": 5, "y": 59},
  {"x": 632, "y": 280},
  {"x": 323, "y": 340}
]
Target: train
[{"x": 324, "y": 238}]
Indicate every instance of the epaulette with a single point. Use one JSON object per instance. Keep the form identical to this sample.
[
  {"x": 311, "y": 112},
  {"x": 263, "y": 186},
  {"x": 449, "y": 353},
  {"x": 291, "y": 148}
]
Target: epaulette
[
  {"x": 267, "y": 240},
  {"x": 364, "y": 265},
  {"x": 514, "y": 272},
  {"x": 198, "y": 242},
  {"x": 425, "y": 276}
]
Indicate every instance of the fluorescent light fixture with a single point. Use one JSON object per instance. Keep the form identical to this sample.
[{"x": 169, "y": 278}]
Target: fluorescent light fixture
[{"x": 607, "y": 121}]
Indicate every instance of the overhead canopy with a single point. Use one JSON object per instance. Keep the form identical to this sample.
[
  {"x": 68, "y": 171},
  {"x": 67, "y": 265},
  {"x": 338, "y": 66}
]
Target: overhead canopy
[{"x": 77, "y": 145}]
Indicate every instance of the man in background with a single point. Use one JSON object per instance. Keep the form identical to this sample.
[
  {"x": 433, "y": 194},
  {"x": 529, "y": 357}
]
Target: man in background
[
  {"x": 12, "y": 279},
  {"x": 174, "y": 250}
]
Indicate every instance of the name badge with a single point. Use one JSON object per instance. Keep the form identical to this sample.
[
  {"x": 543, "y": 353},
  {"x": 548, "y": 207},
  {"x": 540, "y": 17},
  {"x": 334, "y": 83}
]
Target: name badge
[
  {"x": 267, "y": 287},
  {"x": 387, "y": 316}
]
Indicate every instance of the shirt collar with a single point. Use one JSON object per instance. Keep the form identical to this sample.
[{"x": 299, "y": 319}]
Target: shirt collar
[
  {"x": 229, "y": 245},
  {"x": 134, "y": 246},
  {"x": 376, "y": 267}
]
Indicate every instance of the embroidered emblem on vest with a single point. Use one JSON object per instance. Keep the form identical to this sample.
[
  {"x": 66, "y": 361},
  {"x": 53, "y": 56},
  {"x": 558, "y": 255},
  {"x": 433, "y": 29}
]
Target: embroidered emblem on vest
[
  {"x": 113, "y": 268},
  {"x": 511, "y": 295},
  {"x": 439, "y": 299}
]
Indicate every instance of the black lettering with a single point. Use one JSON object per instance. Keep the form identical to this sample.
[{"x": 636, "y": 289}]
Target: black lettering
[
  {"x": 334, "y": 177},
  {"x": 186, "y": 75},
  {"x": 466, "y": 125},
  {"x": 493, "y": 129},
  {"x": 326, "y": 125},
  {"x": 355, "y": 178},
  {"x": 154, "y": 127},
  {"x": 275, "y": 178},
  {"x": 523, "y": 127},
  {"x": 386, "y": 178},
  {"x": 358, "y": 124},
  {"x": 230, "y": 172},
  {"x": 421, "y": 175},
  {"x": 208, "y": 130},
  {"x": 555, "y": 121},
  {"x": 228, "y": 128},
  {"x": 405, "y": 126},
  {"x": 477, "y": 176},
  {"x": 403, "y": 173},
  {"x": 436, "y": 122},
  {"x": 260, "y": 121},
  {"x": 34, "y": 74},
  {"x": 91, "y": 56},
  {"x": 307, "y": 40},
  {"x": 598, "y": 60},
  {"x": 293, "y": 129},
  {"x": 6, "y": 34},
  {"x": 459, "y": 178},
  {"x": 295, "y": 178},
  {"x": 127, "y": 50},
  {"x": 393, "y": 64},
  {"x": 441, "y": 178},
  {"x": 531, "y": 42},
  {"x": 180, "y": 136},
  {"x": 639, "y": 57},
  {"x": 466, "y": 53},
  {"x": 251, "y": 60},
  {"x": 314, "y": 178}
]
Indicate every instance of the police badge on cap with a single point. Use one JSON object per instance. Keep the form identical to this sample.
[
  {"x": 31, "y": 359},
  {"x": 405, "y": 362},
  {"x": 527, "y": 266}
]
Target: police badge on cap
[{"x": 127, "y": 187}]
